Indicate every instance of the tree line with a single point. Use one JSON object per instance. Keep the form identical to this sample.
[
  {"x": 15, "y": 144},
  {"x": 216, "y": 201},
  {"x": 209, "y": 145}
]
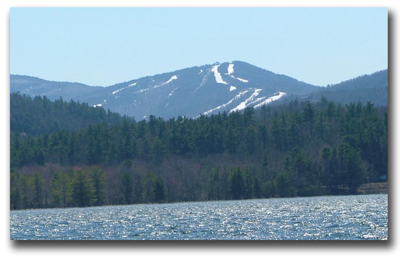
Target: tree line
[
  {"x": 38, "y": 115},
  {"x": 296, "y": 149}
]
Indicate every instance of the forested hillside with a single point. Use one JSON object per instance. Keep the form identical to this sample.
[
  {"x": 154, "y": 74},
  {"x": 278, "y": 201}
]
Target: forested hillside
[
  {"x": 297, "y": 149},
  {"x": 39, "y": 115},
  {"x": 368, "y": 88}
]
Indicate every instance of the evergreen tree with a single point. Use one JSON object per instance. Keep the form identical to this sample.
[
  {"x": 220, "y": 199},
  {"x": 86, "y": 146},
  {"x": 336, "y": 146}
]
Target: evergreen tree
[
  {"x": 308, "y": 116},
  {"x": 127, "y": 188},
  {"x": 82, "y": 190},
  {"x": 60, "y": 189},
  {"x": 99, "y": 180},
  {"x": 38, "y": 183},
  {"x": 350, "y": 164},
  {"x": 15, "y": 195},
  {"x": 283, "y": 185},
  {"x": 237, "y": 183},
  {"x": 153, "y": 188}
]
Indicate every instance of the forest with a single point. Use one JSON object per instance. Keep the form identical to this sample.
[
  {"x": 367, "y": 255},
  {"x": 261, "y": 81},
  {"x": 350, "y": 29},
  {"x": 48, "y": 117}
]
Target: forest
[{"x": 67, "y": 154}]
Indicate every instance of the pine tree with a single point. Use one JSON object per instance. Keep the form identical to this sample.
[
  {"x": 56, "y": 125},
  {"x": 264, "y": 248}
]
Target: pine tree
[
  {"x": 82, "y": 190},
  {"x": 38, "y": 183},
  {"x": 127, "y": 188},
  {"x": 60, "y": 189},
  {"x": 99, "y": 180},
  {"x": 284, "y": 185},
  {"x": 237, "y": 183}
]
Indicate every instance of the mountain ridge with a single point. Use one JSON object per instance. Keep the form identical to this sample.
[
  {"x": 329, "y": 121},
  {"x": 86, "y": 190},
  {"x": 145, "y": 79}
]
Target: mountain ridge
[
  {"x": 366, "y": 88},
  {"x": 207, "y": 89}
]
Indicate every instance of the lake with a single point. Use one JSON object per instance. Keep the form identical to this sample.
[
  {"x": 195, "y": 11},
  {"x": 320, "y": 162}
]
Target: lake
[{"x": 361, "y": 217}]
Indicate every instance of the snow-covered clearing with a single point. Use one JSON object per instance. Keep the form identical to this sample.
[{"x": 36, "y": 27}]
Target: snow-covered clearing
[
  {"x": 172, "y": 92},
  {"x": 271, "y": 99},
  {"x": 244, "y": 104},
  {"x": 230, "y": 73},
  {"x": 218, "y": 77},
  {"x": 141, "y": 91},
  {"x": 240, "y": 79},
  {"x": 148, "y": 89},
  {"x": 230, "y": 69},
  {"x": 169, "y": 81},
  {"x": 119, "y": 90},
  {"x": 225, "y": 104}
]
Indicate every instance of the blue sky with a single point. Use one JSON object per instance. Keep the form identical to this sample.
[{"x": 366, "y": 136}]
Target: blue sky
[{"x": 104, "y": 46}]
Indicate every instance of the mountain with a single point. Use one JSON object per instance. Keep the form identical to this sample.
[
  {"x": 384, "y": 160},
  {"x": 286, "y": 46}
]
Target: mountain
[
  {"x": 367, "y": 88},
  {"x": 208, "y": 89},
  {"x": 33, "y": 86}
]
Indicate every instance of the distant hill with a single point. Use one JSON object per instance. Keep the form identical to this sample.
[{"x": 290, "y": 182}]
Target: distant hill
[
  {"x": 34, "y": 86},
  {"x": 368, "y": 88}
]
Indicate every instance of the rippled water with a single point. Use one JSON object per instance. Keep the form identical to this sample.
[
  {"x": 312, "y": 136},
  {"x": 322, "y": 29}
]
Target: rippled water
[{"x": 338, "y": 217}]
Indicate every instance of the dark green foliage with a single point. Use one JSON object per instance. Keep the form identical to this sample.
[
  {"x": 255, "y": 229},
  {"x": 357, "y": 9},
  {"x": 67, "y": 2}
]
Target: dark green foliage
[
  {"x": 39, "y": 115},
  {"x": 99, "y": 180},
  {"x": 82, "y": 190},
  {"x": 301, "y": 148},
  {"x": 38, "y": 183},
  {"x": 127, "y": 187},
  {"x": 61, "y": 191},
  {"x": 350, "y": 167},
  {"x": 153, "y": 188},
  {"x": 214, "y": 185},
  {"x": 284, "y": 185},
  {"x": 237, "y": 186},
  {"x": 367, "y": 88},
  {"x": 15, "y": 195}
]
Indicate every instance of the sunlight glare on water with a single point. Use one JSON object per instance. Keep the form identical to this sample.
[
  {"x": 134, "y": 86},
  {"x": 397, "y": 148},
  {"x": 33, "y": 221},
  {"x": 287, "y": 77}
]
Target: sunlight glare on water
[{"x": 314, "y": 218}]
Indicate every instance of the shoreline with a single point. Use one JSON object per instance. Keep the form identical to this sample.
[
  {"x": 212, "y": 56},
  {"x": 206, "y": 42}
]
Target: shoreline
[
  {"x": 364, "y": 189},
  {"x": 373, "y": 188}
]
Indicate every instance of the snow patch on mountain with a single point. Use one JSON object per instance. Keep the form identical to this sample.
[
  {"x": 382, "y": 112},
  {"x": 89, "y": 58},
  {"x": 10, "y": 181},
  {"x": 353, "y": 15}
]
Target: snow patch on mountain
[
  {"x": 230, "y": 73},
  {"x": 204, "y": 80},
  {"x": 142, "y": 90},
  {"x": 157, "y": 86},
  {"x": 225, "y": 104},
  {"x": 244, "y": 104},
  {"x": 218, "y": 77},
  {"x": 240, "y": 79},
  {"x": 119, "y": 90},
  {"x": 230, "y": 69},
  {"x": 256, "y": 101},
  {"x": 172, "y": 92},
  {"x": 169, "y": 81},
  {"x": 271, "y": 99}
]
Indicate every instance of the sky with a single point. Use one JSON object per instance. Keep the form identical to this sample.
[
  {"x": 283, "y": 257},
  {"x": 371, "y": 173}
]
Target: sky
[{"x": 105, "y": 46}]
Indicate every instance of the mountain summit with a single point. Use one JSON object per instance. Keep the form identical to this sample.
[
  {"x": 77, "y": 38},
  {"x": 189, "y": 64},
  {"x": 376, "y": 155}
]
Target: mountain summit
[{"x": 202, "y": 90}]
